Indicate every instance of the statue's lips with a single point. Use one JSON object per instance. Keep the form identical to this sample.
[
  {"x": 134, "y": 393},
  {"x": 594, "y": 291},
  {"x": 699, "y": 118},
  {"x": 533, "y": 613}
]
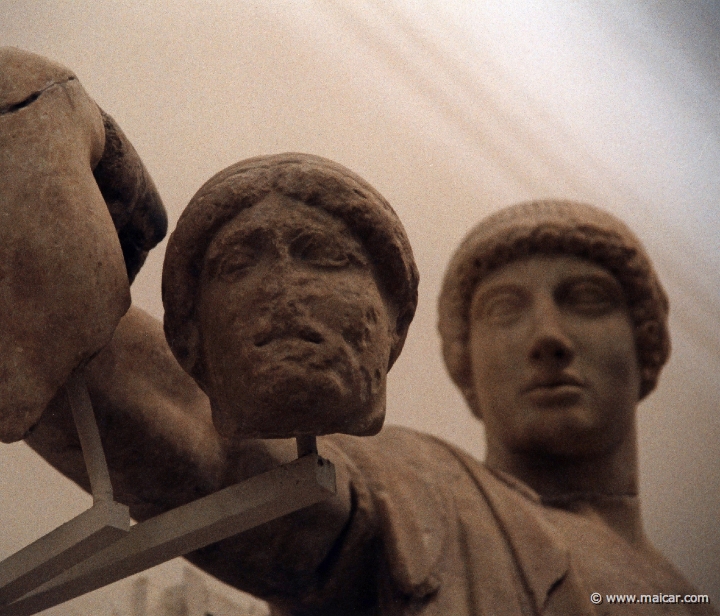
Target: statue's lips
[
  {"x": 305, "y": 333},
  {"x": 555, "y": 389},
  {"x": 550, "y": 382},
  {"x": 287, "y": 350}
]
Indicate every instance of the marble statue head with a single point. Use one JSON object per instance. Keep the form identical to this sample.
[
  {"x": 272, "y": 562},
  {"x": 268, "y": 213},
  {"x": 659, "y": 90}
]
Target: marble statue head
[
  {"x": 554, "y": 228},
  {"x": 289, "y": 285}
]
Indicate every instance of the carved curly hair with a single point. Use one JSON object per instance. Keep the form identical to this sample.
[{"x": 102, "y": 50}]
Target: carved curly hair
[{"x": 554, "y": 228}]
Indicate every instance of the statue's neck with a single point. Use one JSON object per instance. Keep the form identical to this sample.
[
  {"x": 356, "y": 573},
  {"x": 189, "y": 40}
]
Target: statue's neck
[{"x": 603, "y": 486}]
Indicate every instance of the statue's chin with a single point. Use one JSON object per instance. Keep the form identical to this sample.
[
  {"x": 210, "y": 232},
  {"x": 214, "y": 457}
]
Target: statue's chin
[{"x": 294, "y": 400}]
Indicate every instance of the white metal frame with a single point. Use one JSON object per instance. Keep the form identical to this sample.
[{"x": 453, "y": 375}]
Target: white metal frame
[{"x": 100, "y": 546}]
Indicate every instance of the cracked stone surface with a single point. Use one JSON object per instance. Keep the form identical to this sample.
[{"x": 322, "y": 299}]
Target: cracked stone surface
[{"x": 63, "y": 281}]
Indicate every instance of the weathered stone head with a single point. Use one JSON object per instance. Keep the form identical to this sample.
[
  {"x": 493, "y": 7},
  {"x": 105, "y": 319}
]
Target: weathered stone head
[
  {"x": 552, "y": 317},
  {"x": 289, "y": 285},
  {"x": 70, "y": 186}
]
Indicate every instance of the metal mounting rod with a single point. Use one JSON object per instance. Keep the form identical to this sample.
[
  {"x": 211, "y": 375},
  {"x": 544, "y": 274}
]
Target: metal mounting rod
[
  {"x": 223, "y": 514},
  {"x": 76, "y": 540},
  {"x": 89, "y": 437},
  {"x": 99, "y": 546}
]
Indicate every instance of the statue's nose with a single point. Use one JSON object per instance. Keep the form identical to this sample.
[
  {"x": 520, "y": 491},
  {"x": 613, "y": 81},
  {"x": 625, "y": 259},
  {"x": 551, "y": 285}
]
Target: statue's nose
[
  {"x": 551, "y": 350},
  {"x": 550, "y": 344},
  {"x": 287, "y": 286},
  {"x": 285, "y": 274}
]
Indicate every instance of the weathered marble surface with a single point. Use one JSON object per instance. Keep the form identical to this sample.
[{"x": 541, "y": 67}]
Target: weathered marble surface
[
  {"x": 288, "y": 286},
  {"x": 63, "y": 285},
  {"x": 63, "y": 280}
]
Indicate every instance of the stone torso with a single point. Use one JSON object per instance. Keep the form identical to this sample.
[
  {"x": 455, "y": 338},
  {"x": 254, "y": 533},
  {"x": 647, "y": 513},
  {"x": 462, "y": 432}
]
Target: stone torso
[{"x": 458, "y": 539}]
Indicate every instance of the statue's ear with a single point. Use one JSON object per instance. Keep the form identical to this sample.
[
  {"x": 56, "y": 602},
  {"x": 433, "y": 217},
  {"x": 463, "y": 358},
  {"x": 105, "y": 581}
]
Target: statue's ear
[
  {"x": 399, "y": 334},
  {"x": 188, "y": 352},
  {"x": 468, "y": 393}
]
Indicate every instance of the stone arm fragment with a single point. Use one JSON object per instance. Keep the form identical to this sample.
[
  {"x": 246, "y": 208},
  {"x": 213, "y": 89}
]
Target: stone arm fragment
[{"x": 69, "y": 183}]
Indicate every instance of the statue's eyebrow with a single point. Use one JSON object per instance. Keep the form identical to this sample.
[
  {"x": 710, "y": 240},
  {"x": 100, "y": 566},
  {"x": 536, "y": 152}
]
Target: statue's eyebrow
[
  {"x": 481, "y": 297},
  {"x": 252, "y": 236},
  {"x": 604, "y": 280},
  {"x": 339, "y": 238}
]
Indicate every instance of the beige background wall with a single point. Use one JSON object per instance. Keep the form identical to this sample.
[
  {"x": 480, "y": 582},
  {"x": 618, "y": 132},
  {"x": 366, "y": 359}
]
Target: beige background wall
[{"x": 452, "y": 110}]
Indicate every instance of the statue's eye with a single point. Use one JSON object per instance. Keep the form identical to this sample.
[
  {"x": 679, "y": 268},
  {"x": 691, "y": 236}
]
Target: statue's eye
[
  {"x": 591, "y": 297},
  {"x": 501, "y": 307},
  {"x": 232, "y": 258},
  {"x": 324, "y": 251},
  {"x": 236, "y": 264}
]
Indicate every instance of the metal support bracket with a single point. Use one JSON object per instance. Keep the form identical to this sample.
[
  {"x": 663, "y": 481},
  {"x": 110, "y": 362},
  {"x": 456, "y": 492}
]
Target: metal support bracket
[{"x": 99, "y": 546}]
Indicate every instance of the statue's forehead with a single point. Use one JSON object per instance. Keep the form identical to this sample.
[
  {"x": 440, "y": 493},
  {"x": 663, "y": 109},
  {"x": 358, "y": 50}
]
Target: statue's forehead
[
  {"x": 277, "y": 212},
  {"x": 278, "y": 218}
]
